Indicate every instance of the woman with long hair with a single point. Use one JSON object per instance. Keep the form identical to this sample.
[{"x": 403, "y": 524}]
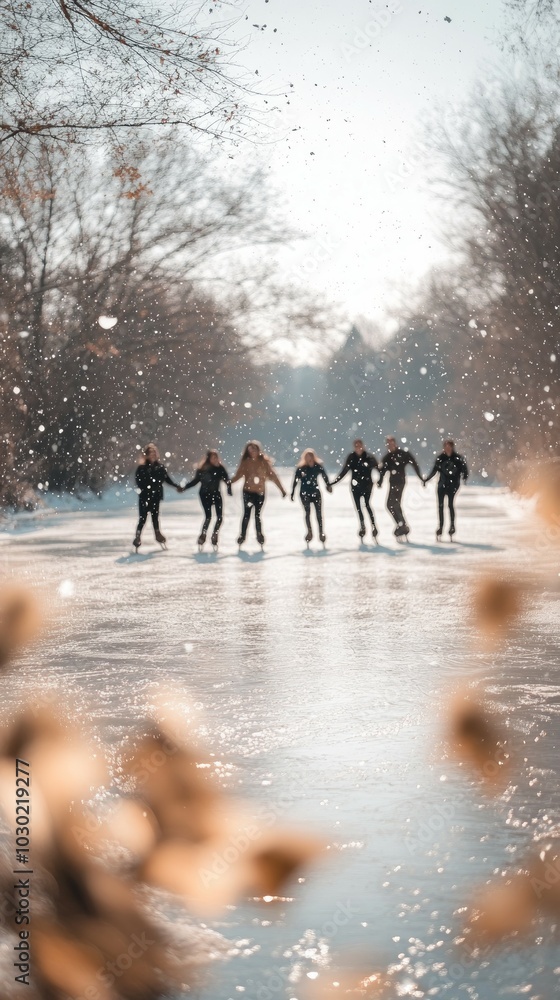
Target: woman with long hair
[
  {"x": 307, "y": 473},
  {"x": 150, "y": 477},
  {"x": 254, "y": 468},
  {"x": 361, "y": 464},
  {"x": 210, "y": 473}
]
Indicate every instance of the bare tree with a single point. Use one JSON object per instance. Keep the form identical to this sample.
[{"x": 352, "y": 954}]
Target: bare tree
[
  {"x": 70, "y": 69},
  {"x": 127, "y": 310},
  {"x": 497, "y": 307}
]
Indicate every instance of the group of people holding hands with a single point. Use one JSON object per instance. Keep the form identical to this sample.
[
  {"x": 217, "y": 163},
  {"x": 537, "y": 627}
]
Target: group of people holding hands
[{"x": 256, "y": 469}]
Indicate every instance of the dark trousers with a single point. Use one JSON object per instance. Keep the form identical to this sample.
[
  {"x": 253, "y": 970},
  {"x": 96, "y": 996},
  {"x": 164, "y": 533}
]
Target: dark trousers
[
  {"x": 313, "y": 500},
  {"x": 394, "y": 504},
  {"x": 252, "y": 501},
  {"x": 209, "y": 500},
  {"x": 146, "y": 507},
  {"x": 449, "y": 492},
  {"x": 363, "y": 493}
]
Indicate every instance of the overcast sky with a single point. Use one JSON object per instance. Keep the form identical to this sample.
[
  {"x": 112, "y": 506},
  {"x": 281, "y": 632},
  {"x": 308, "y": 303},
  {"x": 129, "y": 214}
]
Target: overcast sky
[{"x": 353, "y": 175}]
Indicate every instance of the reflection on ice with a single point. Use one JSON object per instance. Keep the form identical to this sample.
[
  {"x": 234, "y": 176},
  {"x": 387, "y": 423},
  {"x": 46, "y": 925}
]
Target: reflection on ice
[{"x": 326, "y": 678}]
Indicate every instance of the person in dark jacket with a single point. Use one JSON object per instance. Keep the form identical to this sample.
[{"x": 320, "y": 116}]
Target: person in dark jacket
[
  {"x": 451, "y": 468},
  {"x": 210, "y": 473},
  {"x": 362, "y": 465},
  {"x": 307, "y": 475},
  {"x": 150, "y": 477},
  {"x": 394, "y": 464}
]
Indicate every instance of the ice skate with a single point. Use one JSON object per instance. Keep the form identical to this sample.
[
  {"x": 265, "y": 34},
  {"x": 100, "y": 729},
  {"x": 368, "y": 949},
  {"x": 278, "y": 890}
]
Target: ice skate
[
  {"x": 260, "y": 539},
  {"x": 214, "y": 541},
  {"x": 137, "y": 543},
  {"x": 401, "y": 533},
  {"x": 374, "y": 534},
  {"x": 451, "y": 533},
  {"x": 240, "y": 540},
  {"x": 201, "y": 540},
  {"x": 161, "y": 539},
  {"x": 308, "y": 537},
  {"x": 439, "y": 533},
  {"x": 323, "y": 538},
  {"x": 361, "y": 533}
]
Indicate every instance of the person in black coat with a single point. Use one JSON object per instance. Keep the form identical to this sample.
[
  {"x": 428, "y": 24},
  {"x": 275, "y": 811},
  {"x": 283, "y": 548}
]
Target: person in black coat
[
  {"x": 451, "y": 468},
  {"x": 150, "y": 477},
  {"x": 210, "y": 473},
  {"x": 362, "y": 465},
  {"x": 394, "y": 464},
  {"x": 307, "y": 475}
]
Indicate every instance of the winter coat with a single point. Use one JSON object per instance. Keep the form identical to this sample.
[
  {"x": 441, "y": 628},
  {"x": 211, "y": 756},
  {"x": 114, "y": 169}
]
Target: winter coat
[
  {"x": 395, "y": 463},
  {"x": 450, "y": 469},
  {"x": 256, "y": 471},
  {"x": 150, "y": 477},
  {"x": 307, "y": 476},
  {"x": 210, "y": 476},
  {"x": 361, "y": 467}
]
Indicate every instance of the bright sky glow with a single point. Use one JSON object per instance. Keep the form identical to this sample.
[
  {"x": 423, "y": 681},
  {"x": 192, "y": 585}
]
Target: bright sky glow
[{"x": 355, "y": 173}]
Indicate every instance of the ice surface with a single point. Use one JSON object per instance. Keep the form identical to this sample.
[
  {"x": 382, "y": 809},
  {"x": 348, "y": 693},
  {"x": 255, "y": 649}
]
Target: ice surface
[{"x": 320, "y": 676}]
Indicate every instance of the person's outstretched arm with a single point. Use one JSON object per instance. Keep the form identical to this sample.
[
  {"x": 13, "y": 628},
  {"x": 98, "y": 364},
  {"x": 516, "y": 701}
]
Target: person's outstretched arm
[
  {"x": 226, "y": 479},
  {"x": 326, "y": 478},
  {"x": 412, "y": 461},
  {"x": 193, "y": 482},
  {"x": 342, "y": 472},
  {"x": 434, "y": 471},
  {"x": 272, "y": 475},
  {"x": 240, "y": 472},
  {"x": 167, "y": 479},
  {"x": 297, "y": 475},
  {"x": 382, "y": 470}
]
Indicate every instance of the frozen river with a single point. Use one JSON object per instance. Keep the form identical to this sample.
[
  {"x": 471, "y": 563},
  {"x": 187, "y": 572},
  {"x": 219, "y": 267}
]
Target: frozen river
[{"x": 320, "y": 676}]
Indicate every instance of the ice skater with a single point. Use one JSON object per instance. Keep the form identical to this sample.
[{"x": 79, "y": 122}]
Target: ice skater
[
  {"x": 451, "y": 468},
  {"x": 394, "y": 463},
  {"x": 210, "y": 473},
  {"x": 362, "y": 466},
  {"x": 307, "y": 473},
  {"x": 255, "y": 468},
  {"x": 150, "y": 477}
]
